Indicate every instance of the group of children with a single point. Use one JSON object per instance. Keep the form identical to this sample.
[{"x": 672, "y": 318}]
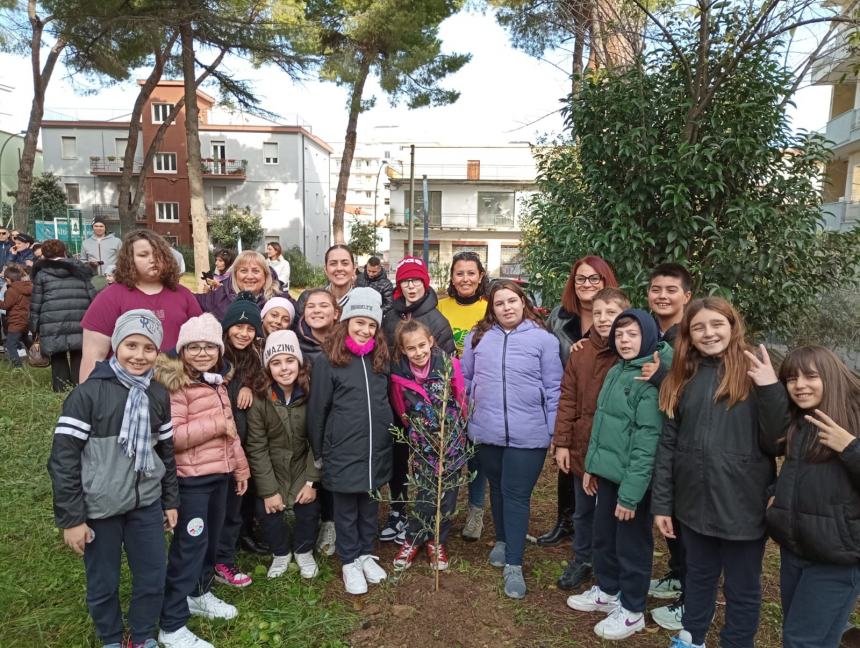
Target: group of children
[{"x": 671, "y": 416}]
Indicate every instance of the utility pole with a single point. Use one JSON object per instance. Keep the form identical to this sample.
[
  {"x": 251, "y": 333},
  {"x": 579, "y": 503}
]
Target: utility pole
[
  {"x": 411, "y": 244},
  {"x": 426, "y": 193}
]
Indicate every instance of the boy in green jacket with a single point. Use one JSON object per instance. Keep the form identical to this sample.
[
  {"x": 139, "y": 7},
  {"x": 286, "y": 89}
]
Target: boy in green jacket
[{"x": 618, "y": 470}]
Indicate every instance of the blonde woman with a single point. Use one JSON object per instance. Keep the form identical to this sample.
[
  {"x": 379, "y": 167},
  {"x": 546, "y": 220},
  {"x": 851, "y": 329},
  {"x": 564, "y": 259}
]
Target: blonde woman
[{"x": 249, "y": 273}]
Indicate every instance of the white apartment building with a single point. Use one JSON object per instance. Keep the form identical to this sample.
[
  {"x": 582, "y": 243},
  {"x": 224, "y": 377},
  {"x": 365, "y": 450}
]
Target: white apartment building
[{"x": 476, "y": 197}]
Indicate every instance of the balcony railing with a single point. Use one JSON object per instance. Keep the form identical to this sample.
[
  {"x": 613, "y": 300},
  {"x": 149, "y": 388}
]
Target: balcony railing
[
  {"x": 461, "y": 221},
  {"x": 214, "y": 212},
  {"x": 108, "y": 166},
  {"x": 111, "y": 212},
  {"x": 222, "y": 168},
  {"x": 507, "y": 172}
]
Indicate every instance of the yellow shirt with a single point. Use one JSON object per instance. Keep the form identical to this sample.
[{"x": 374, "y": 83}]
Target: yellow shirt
[{"x": 462, "y": 317}]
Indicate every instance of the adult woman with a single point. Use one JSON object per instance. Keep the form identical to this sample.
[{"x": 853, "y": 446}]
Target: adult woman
[
  {"x": 62, "y": 292},
  {"x": 277, "y": 262},
  {"x": 512, "y": 369},
  {"x": 570, "y": 321},
  {"x": 413, "y": 299},
  {"x": 340, "y": 272},
  {"x": 464, "y": 307},
  {"x": 146, "y": 276},
  {"x": 249, "y": 273}
]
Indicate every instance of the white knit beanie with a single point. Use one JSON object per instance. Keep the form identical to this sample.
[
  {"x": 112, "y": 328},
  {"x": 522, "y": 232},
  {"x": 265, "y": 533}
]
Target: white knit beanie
[
  {"x": 282, "y": 343},
  {"x": 362, "y": 302},
  {"x": 204, "y": 328}
]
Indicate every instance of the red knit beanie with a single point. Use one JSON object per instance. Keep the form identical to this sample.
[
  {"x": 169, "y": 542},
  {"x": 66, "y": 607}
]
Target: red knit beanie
[{"x": 411, "y": 267}]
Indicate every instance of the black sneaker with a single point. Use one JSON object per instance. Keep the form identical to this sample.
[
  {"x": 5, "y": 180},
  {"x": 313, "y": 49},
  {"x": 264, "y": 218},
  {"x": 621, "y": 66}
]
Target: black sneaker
[
  {"x": 395, "y": 525},
  {"x": 575, "y": 575}
]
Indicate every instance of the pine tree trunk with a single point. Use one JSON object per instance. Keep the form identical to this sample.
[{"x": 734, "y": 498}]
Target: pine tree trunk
[
  {"x": 349, "y": 149},
  {"x": 41, "y": 78},
  {"x": 192, "y": 145}
]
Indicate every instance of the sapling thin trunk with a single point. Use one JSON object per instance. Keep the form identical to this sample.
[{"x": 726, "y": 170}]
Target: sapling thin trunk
[{"x": 440, "y": 473}]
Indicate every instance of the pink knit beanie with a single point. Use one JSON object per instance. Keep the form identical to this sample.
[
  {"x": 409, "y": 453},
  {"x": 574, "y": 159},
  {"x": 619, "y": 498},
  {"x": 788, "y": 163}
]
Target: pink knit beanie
[{"x": 204, "y": 328}]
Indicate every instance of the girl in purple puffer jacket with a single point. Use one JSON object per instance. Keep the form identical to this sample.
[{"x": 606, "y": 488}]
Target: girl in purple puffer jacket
[{"x": 513, "y": 370}]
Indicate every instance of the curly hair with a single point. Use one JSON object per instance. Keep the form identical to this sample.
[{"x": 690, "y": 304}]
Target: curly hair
[
  {"x": 339, "y": 356},
  {"x": 125, "y": 272}
]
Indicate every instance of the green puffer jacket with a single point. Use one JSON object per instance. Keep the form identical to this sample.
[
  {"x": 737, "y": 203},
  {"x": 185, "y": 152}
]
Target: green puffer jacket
[
  {"x": 626, "y": 429},
  {"x": 277, "y": 448}
]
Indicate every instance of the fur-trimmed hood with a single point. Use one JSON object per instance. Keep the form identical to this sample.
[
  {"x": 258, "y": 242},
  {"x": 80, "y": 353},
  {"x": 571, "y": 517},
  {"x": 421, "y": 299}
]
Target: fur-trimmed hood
[{"x": 170, "y": 372}]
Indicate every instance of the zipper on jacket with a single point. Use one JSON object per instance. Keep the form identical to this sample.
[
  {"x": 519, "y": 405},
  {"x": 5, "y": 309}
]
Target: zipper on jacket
[
  {"x": 706, "y": 438},
  {"x": 370, "y": 424},
  {"x": 543, "y": 407},
  {"x": 505, "y": 390}
]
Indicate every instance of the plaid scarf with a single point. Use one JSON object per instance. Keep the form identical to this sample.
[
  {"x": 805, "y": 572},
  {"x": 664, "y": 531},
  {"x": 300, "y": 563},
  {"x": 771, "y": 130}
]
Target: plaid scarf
[{"x": 135, "y": 435}]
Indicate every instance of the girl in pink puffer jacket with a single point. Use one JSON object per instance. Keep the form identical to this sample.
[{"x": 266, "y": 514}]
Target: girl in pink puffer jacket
[{"x": 207, "y": 450}]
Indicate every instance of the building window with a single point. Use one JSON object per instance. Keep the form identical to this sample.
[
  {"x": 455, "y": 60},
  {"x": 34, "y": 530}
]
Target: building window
[
  {"x": 480, "y": 250},
  {"x": 165, "y": 162},
  {"x": 270, "y": 152},
  {"x": 172, "y": 240},
  {"x": 435, "y": 210},
  {"x": 161, "y": 112},
  {"x": 167, "y": 212},
  {"x": 432, "y": 257},
  {"x": 69, "y": 148},
  {"x": 73, "y": 194},
  {"x": 495, "y": 209},
  {"x": 368, "y": 194},
  {"x": 511, "y": 262},
  {"x": 121, "y": 144},
  {"x": 270, "y": 199}
]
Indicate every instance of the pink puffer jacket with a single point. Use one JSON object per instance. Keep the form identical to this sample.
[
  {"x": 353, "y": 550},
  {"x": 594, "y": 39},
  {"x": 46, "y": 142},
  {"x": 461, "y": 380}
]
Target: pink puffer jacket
[{"x": 202, "y": 420}]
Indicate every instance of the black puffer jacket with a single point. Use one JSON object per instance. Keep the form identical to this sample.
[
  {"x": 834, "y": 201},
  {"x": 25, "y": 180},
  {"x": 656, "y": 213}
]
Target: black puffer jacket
[
  {"x": 567, "y": 327},
  {"x": 715, "y": 464},
  {"x": 816, "y": 511},
  {"x": 381, "y": 284},
  {"x": 62, "y": 292},
  {"x": 310, "y": 346},
  {"x": 424, "y": 311},
  {"x": 349, "y": 417}
]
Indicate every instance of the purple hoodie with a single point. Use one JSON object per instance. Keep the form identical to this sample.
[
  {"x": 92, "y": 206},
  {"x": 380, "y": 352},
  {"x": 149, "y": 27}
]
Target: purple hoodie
[{"x": 514, "y": 380}]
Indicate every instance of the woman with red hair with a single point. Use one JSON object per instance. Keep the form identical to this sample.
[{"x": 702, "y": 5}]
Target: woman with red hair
[{"x": 570, "y": 321}]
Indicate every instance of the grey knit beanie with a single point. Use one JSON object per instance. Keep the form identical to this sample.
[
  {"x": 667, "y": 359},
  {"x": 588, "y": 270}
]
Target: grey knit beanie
[
  {"x": 362, "y": 302},
  {"x": 137, "y": 322}
]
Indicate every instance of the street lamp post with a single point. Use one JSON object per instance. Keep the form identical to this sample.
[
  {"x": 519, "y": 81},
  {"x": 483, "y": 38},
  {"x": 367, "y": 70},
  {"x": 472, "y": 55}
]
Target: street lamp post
[
  {"x": 2, "y": 149},
  {"x": 382, "y": 165}
]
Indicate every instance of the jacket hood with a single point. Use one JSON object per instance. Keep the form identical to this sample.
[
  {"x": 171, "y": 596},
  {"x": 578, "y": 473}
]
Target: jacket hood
[
  {"x": 102, "y": 371},
  {"x": 170, "y": 372},
  {"x": 599, "y": 343},
  {"x": 427, "y": 304},
  {"x": 648, "y": 327},
  {"x": 24, "y": 287},
  {"x": 59, "y": 266}
]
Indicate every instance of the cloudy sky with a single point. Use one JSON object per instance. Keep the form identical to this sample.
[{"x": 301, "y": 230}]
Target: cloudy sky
[{"x": 506, "y": 95}]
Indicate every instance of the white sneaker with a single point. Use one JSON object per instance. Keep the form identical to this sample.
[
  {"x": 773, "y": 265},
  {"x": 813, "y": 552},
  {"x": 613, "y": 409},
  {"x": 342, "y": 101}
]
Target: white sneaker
[
  {"x": 620, "y": 624},
  {"x": 593, "y": 600},
  {"x": 372, "y": 571},
  {"x": 307, "y": 565},
  {"x": 182, "y": 638},
  {"x": 353, "y": 578},
  {"x": 669, "y": 616},
  {"x": 280, "y": 565},
  {"x": 211, "y": 607},
  {"x": 684, "y": 640},
  {"x": 665, "y": 588},
  {"x": 326, "y": 538}
]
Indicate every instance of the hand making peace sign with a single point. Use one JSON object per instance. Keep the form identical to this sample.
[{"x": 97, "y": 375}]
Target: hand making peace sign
[{"x": 761, "y": 371}]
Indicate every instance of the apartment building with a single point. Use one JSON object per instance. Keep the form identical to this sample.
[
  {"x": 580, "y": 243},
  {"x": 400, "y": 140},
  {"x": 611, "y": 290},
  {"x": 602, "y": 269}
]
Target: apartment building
[
  {"x": 476, "y": 198},
  {"x": 280, "y": 171}
]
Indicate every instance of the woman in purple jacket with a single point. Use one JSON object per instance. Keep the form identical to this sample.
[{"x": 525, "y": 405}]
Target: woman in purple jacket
[{"x": 513, "y": 371}]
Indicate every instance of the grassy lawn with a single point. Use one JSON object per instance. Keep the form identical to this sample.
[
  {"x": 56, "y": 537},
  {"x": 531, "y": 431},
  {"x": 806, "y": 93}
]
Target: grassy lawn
[{"x": 42, "y": 596}]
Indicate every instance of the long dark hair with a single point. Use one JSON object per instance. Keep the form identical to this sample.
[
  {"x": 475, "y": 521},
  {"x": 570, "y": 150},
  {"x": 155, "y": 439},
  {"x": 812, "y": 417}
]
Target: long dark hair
[
  {"x": 489, "y": 320},
  {"x": 303, "y": 381},
  {"x": 469, "y": 257},
  {"x": 246, "y": 365},
  {"x": 840, "y": 399},
  {"x": 339, "y": 356}
]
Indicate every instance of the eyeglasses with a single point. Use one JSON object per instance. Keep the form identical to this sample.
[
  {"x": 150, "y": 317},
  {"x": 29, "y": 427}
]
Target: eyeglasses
[
  {"x": 411, "y": 282},
  {"x": 592, "y": 279},
  {"x": 198, "y": 349}
]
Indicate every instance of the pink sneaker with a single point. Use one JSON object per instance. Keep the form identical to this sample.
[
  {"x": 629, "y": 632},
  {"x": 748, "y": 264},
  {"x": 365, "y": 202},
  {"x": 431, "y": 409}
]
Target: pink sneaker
[{"x": 229, "y": 575}]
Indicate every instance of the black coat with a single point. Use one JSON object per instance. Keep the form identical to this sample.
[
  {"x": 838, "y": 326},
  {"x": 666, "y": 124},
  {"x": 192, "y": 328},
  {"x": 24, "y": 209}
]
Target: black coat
[
  {"x": 349, "y": 417},
  {"x": 426, "y": 313},
  {"x": 62, "y": 292},
  {"x": 310, "y": 346},
  {"x": 381, "y": 284},
  {"x": 715, "y": 464},
  {"x": 567, "y": 327},
  {"x": 816, "y": 510}
]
